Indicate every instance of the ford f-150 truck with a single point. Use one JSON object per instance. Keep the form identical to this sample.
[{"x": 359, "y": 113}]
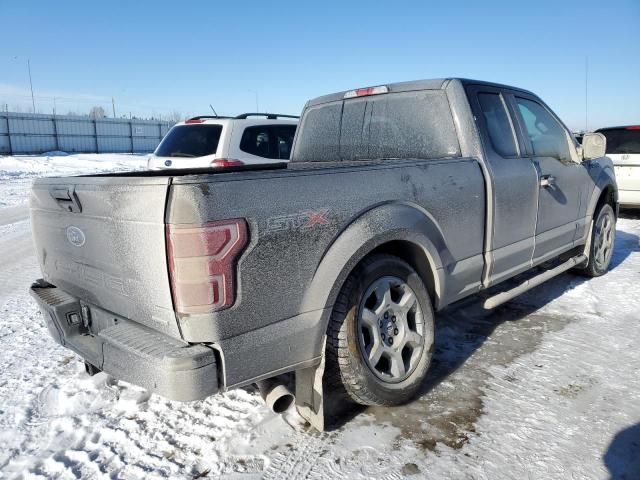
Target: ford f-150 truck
[{"x": 398, "y": 201}]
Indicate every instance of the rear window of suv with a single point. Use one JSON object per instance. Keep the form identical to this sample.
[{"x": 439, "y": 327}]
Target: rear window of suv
[
  {"x": 190, "y": 141},
  {"x": 622, "y": 140},
  {"x": 394, "y": 125}
]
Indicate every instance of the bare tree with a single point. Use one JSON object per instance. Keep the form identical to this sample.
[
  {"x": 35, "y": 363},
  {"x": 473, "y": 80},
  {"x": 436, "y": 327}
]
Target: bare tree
[
  {"x": 96, "y": 112},
  {"x": 175, "y": 117}
]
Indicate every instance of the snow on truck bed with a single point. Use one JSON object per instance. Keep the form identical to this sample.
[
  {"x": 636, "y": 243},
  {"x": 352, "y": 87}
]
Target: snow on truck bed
[{"x": 546, "y": 386}]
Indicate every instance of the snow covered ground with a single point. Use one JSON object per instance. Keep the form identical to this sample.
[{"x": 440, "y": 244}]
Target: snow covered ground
[
  {"x": 16, "y": 172},
  {"x": 547, "y": 386}
]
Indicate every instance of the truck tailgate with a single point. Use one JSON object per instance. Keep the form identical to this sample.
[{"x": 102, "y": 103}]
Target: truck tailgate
[{"x": 102, "y": 240}]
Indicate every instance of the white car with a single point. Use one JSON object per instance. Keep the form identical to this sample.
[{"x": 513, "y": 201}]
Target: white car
[
  {"x": 623, "y": 148},
  {"x": 209, "y": 141}
]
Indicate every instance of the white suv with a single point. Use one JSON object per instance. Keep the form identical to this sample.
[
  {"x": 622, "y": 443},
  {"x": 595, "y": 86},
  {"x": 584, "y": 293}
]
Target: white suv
[
  {"x": 623, "y": 148},
  {"x": 205, "y": 141}
]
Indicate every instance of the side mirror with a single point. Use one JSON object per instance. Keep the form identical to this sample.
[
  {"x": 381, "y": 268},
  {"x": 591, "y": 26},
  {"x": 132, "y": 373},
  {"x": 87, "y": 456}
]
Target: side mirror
[{"x": 594, "y": 146}]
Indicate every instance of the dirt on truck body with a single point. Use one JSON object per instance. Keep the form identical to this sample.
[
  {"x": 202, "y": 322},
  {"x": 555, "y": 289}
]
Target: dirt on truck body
[{"x": 398, "y": 201}]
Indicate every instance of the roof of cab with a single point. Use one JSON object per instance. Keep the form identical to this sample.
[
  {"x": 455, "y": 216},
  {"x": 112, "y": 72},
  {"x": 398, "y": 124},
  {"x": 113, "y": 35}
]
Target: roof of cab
[{"x": 428, "y": 84}]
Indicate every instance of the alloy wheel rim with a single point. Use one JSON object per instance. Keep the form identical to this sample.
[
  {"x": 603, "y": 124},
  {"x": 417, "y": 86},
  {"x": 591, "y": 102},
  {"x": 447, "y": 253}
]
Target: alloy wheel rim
[
  {"x": 391, "y": 330},
  {"x": 603, "y": 240}
]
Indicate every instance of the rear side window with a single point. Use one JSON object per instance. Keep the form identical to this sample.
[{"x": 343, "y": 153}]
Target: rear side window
[
  {"x": 395, "y": 125},
  {"x": 319, "y": 138},
  {"x": 622, "y": 140},
  {"x": 498, "y": 124},
  {"x": 268, "y": 141},
  {"x": 412, "y": 125},
  {"x": 190, "y": 141},
  {"x": 548, "y": 137}
]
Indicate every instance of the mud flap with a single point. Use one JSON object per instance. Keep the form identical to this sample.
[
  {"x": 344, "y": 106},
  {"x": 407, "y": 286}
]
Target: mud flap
[{"x": 310, "y": 393}]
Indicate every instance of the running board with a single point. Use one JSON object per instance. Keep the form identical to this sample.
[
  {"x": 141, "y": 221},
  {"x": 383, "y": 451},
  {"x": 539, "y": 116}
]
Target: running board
[{"x": 500, "y": 298}]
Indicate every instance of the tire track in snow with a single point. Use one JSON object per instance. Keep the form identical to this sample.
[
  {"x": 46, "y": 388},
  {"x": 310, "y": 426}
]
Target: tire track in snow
[
  {"x": 14, "y": 214},
  {"x": 17, "y": 261}
]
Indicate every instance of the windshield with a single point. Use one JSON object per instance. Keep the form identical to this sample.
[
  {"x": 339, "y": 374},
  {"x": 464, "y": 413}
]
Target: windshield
[
  {"x": 190, "y": 141},
  {"x": 622, "y": 140}
]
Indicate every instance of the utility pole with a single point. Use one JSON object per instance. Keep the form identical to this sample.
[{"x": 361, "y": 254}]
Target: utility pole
[
  {"x": 113, "y": 105},
  {"x": 33, "y": 102},
  {"x": 586, "y": 93}
]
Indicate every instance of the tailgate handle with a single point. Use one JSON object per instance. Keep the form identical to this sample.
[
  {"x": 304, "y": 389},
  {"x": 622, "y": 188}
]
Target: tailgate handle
[{"x": 66, "y": 198}]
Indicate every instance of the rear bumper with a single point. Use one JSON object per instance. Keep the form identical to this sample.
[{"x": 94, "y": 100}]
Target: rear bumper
[{"x": 129, "y": 351}]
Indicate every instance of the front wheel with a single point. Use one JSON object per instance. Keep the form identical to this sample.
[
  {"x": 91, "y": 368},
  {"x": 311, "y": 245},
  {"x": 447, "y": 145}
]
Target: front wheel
[
  {"x": 603, "y": 237},
  {"x": 381, "y": 333}
]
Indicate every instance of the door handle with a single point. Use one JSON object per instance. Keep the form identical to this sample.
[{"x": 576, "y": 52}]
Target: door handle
[{"x": 547, "y": 181}]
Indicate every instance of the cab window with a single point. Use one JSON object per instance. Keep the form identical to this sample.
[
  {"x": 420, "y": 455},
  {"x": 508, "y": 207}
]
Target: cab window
[{"x": 498, "y": 124}]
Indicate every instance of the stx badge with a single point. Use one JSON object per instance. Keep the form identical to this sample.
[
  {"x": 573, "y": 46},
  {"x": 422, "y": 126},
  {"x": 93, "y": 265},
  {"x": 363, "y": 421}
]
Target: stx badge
[{"x": 297, "y": 221}]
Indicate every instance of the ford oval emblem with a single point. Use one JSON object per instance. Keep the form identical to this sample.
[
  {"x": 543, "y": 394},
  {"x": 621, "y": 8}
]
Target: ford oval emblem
[
  {"x": 167, "y": 163},
  {"x": 75, "y": 236}
]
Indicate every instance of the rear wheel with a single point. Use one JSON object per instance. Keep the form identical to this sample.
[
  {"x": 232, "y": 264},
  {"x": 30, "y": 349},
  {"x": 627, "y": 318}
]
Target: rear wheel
[
  {"x": 381, "y": 333},
  {"x": 603, "y": 237}
]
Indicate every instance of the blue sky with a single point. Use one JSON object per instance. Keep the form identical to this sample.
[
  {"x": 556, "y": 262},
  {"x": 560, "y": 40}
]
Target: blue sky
[{"x": 156, "y": 57}]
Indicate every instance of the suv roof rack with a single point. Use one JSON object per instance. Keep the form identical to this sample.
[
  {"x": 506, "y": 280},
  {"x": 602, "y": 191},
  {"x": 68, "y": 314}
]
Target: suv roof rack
[{"x": 270, "y": 116}]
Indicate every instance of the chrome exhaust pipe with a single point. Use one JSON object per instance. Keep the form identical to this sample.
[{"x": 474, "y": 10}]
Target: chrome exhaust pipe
[{"x": 276, "y": 394}]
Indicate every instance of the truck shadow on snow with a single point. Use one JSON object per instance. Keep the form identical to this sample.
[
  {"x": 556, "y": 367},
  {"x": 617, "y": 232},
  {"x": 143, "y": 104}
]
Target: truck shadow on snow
[
  {"x": 623, "y": 455},
  {"x": 468, "y": 345}
]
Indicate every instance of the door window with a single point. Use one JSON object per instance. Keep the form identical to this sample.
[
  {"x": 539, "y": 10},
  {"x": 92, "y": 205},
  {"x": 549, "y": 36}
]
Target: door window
[
  {"x": 548, "y": 137},
  {"x": 284, "y": 140},
  {"x": 268, "y": 141},
  {"x": 259, "y": 141},
  {"x": 498, "y": 124}
]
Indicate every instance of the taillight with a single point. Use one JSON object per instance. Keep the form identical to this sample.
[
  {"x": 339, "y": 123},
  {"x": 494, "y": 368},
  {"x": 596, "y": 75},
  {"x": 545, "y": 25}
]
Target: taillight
[
  {"x": 225, "y": 162},
  {"x": 634, "y": 127},
  {"x": 202, "y": 261},
  {"x": 193, "y": 120}
]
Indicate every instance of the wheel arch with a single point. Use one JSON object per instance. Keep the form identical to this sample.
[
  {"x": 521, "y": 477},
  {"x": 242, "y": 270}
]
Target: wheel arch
[
  {"x": 605, "y": 191},
  {"x": 402, "y": 229}
]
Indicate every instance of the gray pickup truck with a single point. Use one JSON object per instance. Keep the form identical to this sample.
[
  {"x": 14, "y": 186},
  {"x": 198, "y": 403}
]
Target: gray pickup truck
[{"x": 398, "y": 201}]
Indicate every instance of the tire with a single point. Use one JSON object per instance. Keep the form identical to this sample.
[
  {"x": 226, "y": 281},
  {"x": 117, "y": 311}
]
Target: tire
[
  {"x": 603, "y": 235},
  {"x": 382, "y": 302}
]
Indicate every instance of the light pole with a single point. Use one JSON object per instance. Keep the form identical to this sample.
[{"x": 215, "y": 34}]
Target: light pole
[
  {"x": 586, "y": 93},
  {"x": 33, "y": 101}
]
